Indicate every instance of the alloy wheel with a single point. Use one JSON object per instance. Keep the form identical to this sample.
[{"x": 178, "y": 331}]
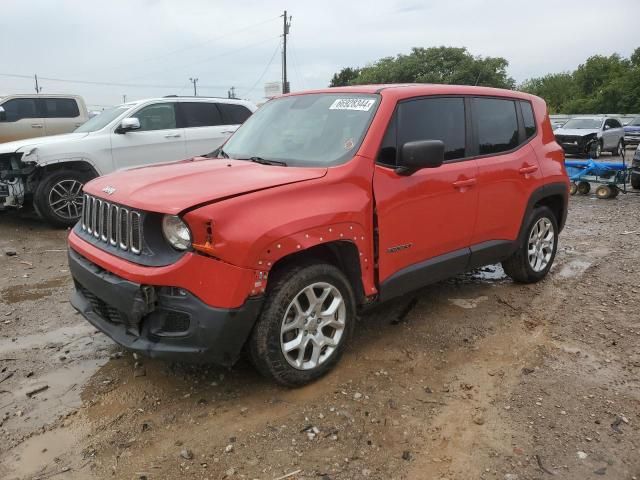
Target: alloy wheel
[
  {"x": 65, "y": 199},
  {"x": 541, "y": 244},
  {"x": 313, "y": 325}
]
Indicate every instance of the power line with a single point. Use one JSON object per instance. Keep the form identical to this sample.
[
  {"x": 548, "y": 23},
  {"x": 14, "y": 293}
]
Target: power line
[
  {"x": 204, "y": 60},
  {"x": 265, "y": 70},
  {"x": 115, "y": 84},
  {"x": 198, "y": 44}
]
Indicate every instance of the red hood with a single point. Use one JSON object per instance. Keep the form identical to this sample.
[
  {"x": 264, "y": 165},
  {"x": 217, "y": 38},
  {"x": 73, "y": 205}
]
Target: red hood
[{"x": 174, "y": 187}]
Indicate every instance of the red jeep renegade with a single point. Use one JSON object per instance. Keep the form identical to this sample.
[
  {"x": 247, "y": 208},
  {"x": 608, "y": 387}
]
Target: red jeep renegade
[{"x": 321, "y": 203}]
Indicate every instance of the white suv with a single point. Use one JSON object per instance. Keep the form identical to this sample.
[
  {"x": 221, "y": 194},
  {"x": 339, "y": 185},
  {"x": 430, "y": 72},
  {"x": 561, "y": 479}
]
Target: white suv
[{"x": 52, "y": 170}]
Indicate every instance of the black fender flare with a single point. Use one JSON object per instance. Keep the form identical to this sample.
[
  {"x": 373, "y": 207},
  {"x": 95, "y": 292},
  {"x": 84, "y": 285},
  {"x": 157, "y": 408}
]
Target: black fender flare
[{"x": 546, "y": 191}]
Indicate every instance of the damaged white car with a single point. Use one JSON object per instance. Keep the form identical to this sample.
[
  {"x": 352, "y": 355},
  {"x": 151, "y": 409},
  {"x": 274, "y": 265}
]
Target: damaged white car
[{"x": 51, "y": 171}]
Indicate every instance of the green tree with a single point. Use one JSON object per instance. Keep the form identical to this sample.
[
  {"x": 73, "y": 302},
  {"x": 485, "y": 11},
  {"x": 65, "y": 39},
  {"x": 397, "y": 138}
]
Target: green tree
[
  {"x": 556, "y": 88},
  {"x": 344, "y": 77},
  {"x": 432, "y": 65}
]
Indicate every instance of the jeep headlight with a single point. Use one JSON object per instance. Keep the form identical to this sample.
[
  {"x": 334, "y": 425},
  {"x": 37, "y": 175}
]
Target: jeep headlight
[{"x": 176, "y": 232}]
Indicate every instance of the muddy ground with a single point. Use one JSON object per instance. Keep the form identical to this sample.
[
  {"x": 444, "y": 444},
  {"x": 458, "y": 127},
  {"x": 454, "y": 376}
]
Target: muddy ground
[{"x": 481, "y": 379}]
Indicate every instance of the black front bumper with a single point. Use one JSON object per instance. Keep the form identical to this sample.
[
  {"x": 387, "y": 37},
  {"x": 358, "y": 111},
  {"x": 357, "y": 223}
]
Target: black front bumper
[{"x": 160, "y": 322}]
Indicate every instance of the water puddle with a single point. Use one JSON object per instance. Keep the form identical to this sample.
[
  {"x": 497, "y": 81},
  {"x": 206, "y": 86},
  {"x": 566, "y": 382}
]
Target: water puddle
[
  {"x": 52, "y": 338},
  {"x": 574, "y": 268},
  {"x": 468, "y": 303},
  {"x": 20, "y": 293},
  {"x": 39, "y": 456}
]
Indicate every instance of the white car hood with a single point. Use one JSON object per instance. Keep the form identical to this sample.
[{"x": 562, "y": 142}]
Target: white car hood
[
  {"x": 580, "y": 132},
  {"x": 29, "y": 143}
]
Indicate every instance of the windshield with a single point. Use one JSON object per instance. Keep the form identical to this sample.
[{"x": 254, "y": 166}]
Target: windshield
[
  {"x": 305, "y": 130},
  {"x": 584, "y": 123},
  {"x": 103, "y": 119},
  {"x": 635, "y": 122}
]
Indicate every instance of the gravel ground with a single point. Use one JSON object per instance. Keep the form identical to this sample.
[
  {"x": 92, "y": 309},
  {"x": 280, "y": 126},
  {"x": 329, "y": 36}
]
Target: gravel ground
[{"x": 475, "y": 377}]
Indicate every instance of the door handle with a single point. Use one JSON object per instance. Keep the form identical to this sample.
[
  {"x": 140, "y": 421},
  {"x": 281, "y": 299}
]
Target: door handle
[
  {"x": 228, "y": 131},
  {"x": 36, "y": 125},
  {"x": 528, "y": 169},
  {"x": 463, "y": 184},
  {"x": 172, "y": 135}
]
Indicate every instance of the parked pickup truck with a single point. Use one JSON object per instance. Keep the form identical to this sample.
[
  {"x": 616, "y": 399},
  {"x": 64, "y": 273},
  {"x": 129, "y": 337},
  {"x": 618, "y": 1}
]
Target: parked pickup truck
[
  {"x": 320, "y": 205},
  {"x": 29, "y": 116},
  {"x": 50, "y": 171}
]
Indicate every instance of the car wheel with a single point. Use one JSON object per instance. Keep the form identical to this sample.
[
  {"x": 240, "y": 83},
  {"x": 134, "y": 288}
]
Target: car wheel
[
  {"x": 58, "y": 197},
  {"x": 619, "y": 151},
  {"x": 306, "y": 322},
  {"x": 596, "y": 150},
  {"x": 635, "y": 180},
  {"x": 532, "y": 260}
]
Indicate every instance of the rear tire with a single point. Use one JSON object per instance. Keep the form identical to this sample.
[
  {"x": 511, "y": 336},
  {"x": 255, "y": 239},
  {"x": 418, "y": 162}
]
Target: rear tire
[
  {"x": 291, "y": 317},
  {"x": 58, "y": 197},
  {"x": 635, "y": 180},
  {"x": 533, "y": 259}
]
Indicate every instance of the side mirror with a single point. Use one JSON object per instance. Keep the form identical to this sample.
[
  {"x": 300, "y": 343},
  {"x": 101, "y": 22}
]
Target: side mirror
[
  {"x": 3, "y": 115},
  {"x": 420, "y": 154},
  {"x": 129, "y": 124},
  {"x": 607, "y": 127}
]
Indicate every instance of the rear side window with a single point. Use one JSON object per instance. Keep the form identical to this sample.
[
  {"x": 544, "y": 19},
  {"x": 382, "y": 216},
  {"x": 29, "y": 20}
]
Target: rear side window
[
  {"x": 19, "y": 108},
  {"x": 158, "y": 116},
  {"x": 60, "y": 108},
  {"x": 434, "y": 119},
  {"x": 200, "y": 114},
  {"x": 528, "y": 119},
  {"x": 497, "y": 125},
  {"x": 233, "y": 114}
]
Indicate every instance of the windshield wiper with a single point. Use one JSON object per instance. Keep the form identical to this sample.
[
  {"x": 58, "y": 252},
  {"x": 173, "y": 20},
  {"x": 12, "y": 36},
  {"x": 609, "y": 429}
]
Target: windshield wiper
[{"x": 263, "y": 161}]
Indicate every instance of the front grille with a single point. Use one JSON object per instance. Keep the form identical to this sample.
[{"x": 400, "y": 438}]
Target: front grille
[
  {"x": 103, "y": 309},
  {"x": 112, "y": 224}
]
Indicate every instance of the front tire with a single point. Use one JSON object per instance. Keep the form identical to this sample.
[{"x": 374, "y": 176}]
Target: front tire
[
  {"x": 306, "y": 322},
  {"x": 596, "y": 150},
  {"x": 58, "y": 197},
  {"x": 534, "y": 257}
]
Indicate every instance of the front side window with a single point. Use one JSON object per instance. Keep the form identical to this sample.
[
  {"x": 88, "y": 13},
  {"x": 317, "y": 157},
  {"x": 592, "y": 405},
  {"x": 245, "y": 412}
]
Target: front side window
[
  {"x": 200, "y": 114},
  {"x": 19, "y": 108},
  {"x": 158, "y": 116},
  {"x": 312, "y": 130},
  {"x": 613, "y": 123},
  {"x": 60, "y": 108},
  {"x": 635, "y": 122},
  {"x": 528, "y": 118},
  {"x": 497, "y": 125},
  {"x": 434, "y": 119},
  {"x": 233, "y": 114}
]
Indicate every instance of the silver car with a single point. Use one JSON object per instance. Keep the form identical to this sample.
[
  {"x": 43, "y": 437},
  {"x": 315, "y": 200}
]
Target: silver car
[{"x": 590, "y": 136}]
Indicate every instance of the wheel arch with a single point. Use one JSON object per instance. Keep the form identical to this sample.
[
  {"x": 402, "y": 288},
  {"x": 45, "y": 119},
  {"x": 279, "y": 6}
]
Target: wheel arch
[
  {"x": 342, "y": 254},
  {"x": 79, "y": 164},
  {"x": 554, "y": 196}
]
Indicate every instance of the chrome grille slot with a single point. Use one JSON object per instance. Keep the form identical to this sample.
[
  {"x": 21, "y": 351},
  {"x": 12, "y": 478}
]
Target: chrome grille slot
[
  {"x": 112, "y": 224},
  {"x": 124, "y": 228}
]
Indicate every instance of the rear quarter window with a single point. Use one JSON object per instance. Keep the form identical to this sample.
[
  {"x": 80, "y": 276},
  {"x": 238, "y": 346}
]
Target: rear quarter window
[
  {"x": 528, "y": 119},
  {"x": 233, "y": 114}
]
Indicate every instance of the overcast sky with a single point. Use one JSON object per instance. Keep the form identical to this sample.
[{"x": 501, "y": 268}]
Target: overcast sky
[{"x": 134, "y": 46}]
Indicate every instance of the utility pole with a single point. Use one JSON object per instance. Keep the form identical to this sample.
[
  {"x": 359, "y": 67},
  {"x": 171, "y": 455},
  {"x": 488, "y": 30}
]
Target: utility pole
[
  {"x": 38, "y": 88},
  {"x": 232, "y": 92},
  {"x": 195, "y": 90},
  {"x": 285, "y": 31},
  {"x": 124, "y": 98}
]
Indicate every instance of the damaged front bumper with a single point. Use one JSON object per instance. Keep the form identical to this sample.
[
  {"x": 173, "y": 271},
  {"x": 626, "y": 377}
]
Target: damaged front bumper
[
  {"x": 13, "y": 180},
  {"x": 158, "y": 321}
]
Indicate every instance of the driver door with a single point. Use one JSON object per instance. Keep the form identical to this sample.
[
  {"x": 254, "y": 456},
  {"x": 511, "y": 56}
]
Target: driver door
[
  {"x": 158, "y": 140},
  {"x": 425, "y": 220}
]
